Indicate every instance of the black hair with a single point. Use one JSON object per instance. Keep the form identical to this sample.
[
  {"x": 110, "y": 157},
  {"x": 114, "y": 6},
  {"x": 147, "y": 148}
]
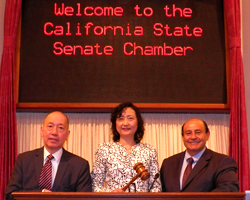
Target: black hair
[{"x": 117, "y": 112}]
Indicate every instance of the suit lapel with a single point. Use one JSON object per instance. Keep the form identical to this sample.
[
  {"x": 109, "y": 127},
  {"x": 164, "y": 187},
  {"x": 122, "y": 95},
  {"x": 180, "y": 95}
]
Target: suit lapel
[
  {"x": 38, "y": 163},
  {"x": 61, "y": 170},
  {"x": 202, "y": 162},
  {"x": 178, "y": 166}
]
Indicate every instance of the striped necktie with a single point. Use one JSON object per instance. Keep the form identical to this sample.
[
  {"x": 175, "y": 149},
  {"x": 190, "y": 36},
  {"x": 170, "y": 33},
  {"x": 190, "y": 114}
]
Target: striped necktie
[
  {"x": 187, "y": 170},
  {"x": 46, "y": 174}
]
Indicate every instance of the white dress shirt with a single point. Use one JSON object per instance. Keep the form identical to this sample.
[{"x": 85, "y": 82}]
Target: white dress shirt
[
  {"x": 185, "y": 163},
  {"x": 55, "y": 162}
]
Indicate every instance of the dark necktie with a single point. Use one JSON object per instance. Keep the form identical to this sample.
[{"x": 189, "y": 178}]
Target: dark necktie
[
  {"x": 46, "y": 174},
  {"x": 187, "y": 170}
]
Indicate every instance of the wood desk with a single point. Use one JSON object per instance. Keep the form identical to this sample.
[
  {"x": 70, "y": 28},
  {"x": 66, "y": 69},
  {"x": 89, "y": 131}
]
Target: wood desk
[{"x": 133, "y": 196}]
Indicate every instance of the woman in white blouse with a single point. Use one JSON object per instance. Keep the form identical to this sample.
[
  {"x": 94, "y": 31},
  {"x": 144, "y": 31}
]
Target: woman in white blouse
[{"x": 113, "y": 167}]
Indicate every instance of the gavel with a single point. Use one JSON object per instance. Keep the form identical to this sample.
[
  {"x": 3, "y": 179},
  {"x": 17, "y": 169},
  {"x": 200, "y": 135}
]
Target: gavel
[{"x": 141, "y": 171}]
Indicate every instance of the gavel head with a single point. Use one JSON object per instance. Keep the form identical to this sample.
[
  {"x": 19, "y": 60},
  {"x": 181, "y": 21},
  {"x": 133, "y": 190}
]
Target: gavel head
[{"x": 142, "y": 171}]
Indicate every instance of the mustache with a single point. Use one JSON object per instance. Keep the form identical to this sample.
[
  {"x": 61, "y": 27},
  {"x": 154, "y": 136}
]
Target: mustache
[{"x": 193, "y": 140}]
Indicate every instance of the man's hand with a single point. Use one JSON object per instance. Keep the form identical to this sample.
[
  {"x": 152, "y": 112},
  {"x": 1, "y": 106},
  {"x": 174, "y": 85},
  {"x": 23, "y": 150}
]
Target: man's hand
[{"x": 45, "y": 190}]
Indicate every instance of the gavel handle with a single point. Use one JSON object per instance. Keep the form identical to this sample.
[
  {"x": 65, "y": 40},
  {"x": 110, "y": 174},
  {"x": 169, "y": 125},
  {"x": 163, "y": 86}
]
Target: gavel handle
[{"x": 130, "y": 182}]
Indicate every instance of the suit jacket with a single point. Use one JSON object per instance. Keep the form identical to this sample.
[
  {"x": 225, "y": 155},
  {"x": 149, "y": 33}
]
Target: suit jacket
[
  {"x": 213, "y": 172},
  {"x": 72, "y": 174}
]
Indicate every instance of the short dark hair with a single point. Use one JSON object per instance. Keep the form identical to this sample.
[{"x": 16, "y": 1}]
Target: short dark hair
[
  {"x": 204, "y": 123},
  {"x": 117, "y": 112}
]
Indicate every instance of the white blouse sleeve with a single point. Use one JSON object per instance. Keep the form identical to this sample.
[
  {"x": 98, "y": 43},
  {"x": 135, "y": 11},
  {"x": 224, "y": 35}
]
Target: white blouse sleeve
[
  {"x": 98, "y": 173},
  {"x": 154, "y": 169}
]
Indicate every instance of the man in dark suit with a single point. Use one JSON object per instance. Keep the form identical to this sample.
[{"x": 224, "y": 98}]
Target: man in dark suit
[
  {"x": 210, "y": 171},
  {"x": 70, "y": 173}
]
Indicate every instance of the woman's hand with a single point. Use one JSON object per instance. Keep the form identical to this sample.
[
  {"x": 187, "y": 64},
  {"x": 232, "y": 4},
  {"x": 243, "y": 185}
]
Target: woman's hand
[{"x": 118, "y": 190}]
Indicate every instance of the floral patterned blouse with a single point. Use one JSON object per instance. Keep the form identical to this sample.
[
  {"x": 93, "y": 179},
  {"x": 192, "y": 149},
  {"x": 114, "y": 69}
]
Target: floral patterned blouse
[{"x": 113, "y": 168}]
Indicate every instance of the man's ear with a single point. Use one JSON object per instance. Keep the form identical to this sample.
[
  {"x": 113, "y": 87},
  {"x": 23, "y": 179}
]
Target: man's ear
[
  {"x": 67, "y": 135},
  {"x": 41, "y": 131},
  {"x": 208, "y": 135}
]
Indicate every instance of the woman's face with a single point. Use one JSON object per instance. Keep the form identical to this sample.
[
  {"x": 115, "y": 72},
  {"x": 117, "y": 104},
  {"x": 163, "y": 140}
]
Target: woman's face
[{"x": 127, "y": 123}]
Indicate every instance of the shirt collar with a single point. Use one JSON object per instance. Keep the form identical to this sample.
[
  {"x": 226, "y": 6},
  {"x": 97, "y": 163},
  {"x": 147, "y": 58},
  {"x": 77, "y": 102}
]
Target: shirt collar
[
  {"x": 57, "y": 155},
  {"x": 195, "y": 157}
]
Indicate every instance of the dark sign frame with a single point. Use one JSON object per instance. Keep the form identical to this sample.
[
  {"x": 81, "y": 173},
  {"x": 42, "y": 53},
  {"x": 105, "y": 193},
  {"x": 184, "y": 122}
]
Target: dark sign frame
[{"x": 151, "y": 99}]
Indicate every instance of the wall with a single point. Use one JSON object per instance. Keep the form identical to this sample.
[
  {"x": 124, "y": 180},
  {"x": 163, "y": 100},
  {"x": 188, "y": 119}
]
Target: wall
[
  {"x": 245, "y": 48},
  {"x": 246, "y": 56}
]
